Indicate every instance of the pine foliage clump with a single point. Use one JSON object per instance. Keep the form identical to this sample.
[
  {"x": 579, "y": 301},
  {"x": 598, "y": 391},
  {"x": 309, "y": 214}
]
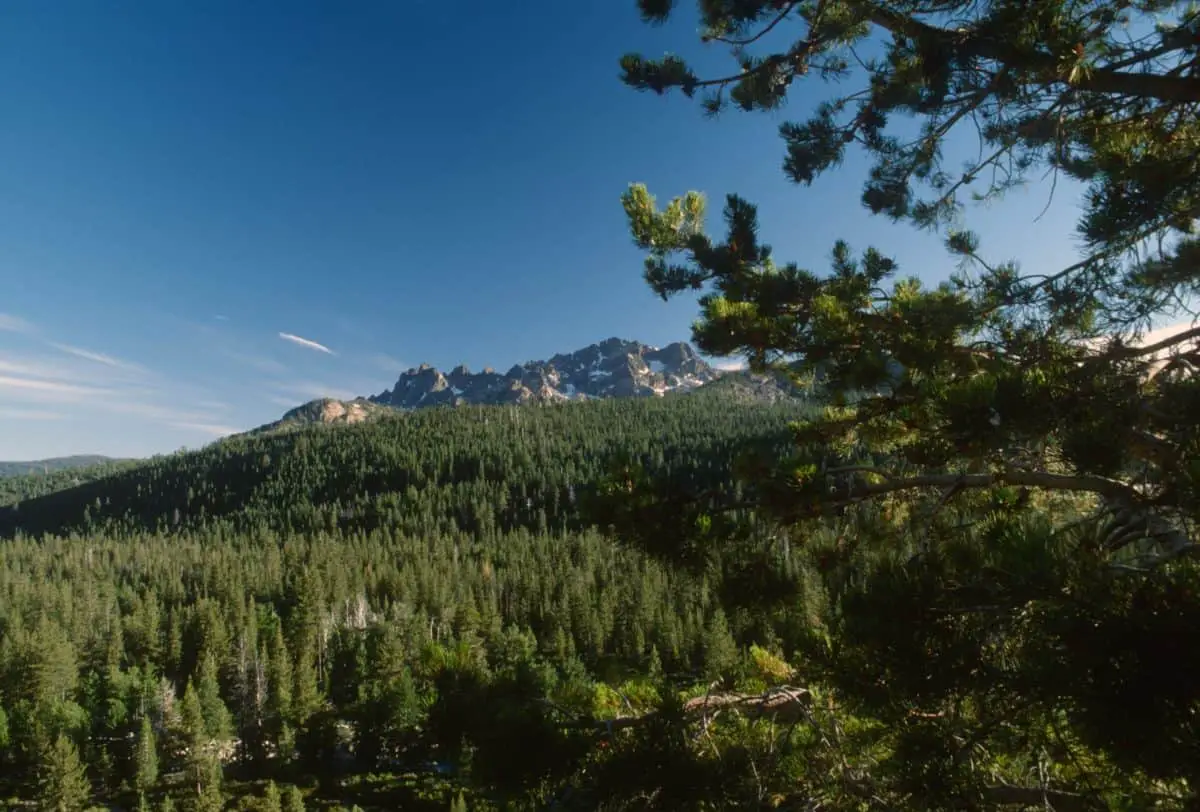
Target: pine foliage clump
[{"x": 1000, "y": 500}]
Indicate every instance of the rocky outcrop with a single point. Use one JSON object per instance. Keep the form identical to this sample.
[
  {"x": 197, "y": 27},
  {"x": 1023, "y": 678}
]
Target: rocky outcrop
[
  {"x": 327, "y": 411},
  {"x": 609, "y": 369}
]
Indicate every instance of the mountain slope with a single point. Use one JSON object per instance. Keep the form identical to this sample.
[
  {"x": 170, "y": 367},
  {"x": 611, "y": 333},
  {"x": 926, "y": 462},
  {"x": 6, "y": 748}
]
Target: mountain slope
[
  {"x": 17, "y": 488},
  {"x": 503, "y": 466}
]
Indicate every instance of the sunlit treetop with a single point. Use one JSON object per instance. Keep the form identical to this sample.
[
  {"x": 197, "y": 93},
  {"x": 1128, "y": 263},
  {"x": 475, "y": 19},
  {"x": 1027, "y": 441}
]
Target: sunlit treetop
[
  {"x": 998, "y": 375},
  {"x": 1107, "y": 93}
]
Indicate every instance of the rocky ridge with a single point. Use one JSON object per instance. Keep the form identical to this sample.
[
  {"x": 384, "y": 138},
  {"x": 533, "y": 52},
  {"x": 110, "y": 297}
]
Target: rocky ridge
[
  {"x": 614, "y": 368},
  {"x": 610, "y": 369}
]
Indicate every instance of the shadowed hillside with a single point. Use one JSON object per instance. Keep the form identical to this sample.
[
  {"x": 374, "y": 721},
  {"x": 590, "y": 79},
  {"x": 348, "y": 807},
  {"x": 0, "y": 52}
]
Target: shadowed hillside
[{"x": 484, "y": 466}]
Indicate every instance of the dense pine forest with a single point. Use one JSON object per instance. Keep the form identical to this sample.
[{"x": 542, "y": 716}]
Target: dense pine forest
[
  {"x": 25, "y": 484},
  {"x": 409, "y": 613}
]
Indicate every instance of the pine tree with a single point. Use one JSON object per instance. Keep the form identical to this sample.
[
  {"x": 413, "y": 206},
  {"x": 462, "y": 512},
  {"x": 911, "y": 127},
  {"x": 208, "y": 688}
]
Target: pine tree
[
  {"x": 210, "y": 796},
  {"x": 999, "y": 495},
  {"x": 654, "y": 666},
  {"x": 293, "y": 799},
  {"x": 278, "y": 712},
  {"x": 52, "y": 665},
  {"x": 218, "y": 722},
  {"x": 272, "y": 800},
  {"x": 174, "y": 645},
  {"x": 145, "y": 758},
  {"x": 202, "y": 767},
  {"x": 191, "y": 720},
  {"x": 106, "y": 691},
  {"x": 719, "y": 651},
  {"x": 64, "y": 785},
  {"x": 306, "y": 694}
]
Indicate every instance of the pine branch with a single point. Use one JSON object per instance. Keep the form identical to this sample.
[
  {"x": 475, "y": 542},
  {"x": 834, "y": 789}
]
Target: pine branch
[
  {"x": 1097, "y": 80},
  {"x": 741, "y": 43},
  {"x": 1150, "y": 349}
]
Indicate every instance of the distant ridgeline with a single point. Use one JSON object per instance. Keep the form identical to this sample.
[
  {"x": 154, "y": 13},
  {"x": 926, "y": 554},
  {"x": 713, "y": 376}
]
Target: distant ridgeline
[
  {"x": 472, "y": 469},
  {"x": 26, "y": 480},
  {"x": 54, "y": 464}
]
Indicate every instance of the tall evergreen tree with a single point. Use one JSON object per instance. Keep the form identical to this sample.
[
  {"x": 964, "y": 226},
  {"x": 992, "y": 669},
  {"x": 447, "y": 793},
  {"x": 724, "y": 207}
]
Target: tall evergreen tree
[
  {"x": 145, "y": 758},
  {"x": 64, "y": 785},
  {"x": 293, "y": 799},
  {"x": 217, "y": 720},
  {"x": 278, "y": 721},
  {"x": 201, "y": 763},
  {"x": 272, "y": 801},
  {"x": 210, "y": 795}
]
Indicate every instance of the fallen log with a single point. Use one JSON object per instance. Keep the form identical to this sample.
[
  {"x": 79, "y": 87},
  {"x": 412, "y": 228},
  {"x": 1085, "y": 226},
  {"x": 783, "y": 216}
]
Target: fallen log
[{"x": 783, "y": 703}]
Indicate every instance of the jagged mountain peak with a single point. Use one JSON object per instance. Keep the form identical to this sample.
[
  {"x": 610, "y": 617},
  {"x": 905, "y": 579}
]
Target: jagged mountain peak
[{"x": 614, "y": 367}]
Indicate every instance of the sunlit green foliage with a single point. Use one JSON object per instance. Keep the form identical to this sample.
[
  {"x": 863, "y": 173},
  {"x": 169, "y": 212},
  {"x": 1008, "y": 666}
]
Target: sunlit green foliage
[{"x": 1001, "y": 500}]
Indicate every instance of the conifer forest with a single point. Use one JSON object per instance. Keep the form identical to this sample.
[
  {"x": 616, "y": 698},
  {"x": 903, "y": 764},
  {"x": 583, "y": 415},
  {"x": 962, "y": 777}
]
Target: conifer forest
[{"x": 954, "y": 569}]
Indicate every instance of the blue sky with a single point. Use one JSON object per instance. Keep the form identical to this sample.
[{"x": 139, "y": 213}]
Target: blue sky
[{"x": 186, "y": 185}]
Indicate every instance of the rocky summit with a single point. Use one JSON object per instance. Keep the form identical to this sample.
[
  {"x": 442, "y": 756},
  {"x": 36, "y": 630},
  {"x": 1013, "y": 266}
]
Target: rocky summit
[{"x": 610, "y": 369}]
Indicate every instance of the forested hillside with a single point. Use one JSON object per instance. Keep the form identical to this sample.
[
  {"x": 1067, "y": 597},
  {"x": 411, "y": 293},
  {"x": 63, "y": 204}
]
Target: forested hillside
[
  {"x": 378, "y": 614},
  {"x": 22, "y": 483},
  {"x": 465, "y": 469}
]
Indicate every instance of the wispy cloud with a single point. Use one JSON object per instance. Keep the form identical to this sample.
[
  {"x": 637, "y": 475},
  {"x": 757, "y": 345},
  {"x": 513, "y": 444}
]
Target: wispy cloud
[
  {"x": 96, "y": 357},
  {"x": 30, "y": 414},
  {"x": 13, "y": 382},
  {"x": 220, "y": 317},
  {"x": 14, "y": 324},
  {"x": 306, "y": 342},
  {"x": 163, "y": 413},
  {"x": 72, "y": 382},
  {"x": 55, "y": 368},
  {"x": 728, "y": 364},
  {"x": 32, "y": 370}
]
